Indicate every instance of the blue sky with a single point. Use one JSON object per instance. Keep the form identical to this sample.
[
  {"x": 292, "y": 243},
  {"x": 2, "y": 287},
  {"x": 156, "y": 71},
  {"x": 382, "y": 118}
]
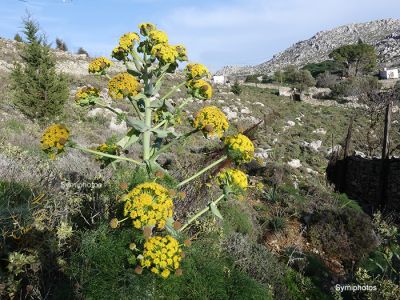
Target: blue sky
[{"x": 216, "y": 33}]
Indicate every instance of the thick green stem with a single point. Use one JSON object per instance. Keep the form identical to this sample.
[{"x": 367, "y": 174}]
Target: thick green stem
[
  {"x": 147, "y": 133},
  {"x": 200, "y": 213},
  {"x": 105, "y": 154},
  {"x": 202, "y": 171}
]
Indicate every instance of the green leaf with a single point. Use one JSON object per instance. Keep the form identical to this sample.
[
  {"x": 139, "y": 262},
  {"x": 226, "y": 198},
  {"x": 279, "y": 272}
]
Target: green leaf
[
  {"x": 131, "y": 137},
  {"x": 170, "y": 228},
  {"x": 137, "y": 124},
  {"x": 215, "y": 210},
  {"x": 164, "y": 133}
]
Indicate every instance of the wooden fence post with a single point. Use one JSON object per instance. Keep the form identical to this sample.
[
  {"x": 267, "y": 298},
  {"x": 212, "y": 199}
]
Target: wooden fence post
[
  {"x": 385, "y": 156},
  {"x": 386, "y": 133}
]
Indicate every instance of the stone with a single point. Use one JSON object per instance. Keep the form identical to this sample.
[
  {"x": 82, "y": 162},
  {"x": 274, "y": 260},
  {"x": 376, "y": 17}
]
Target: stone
[{"x": 295, "y": 163}]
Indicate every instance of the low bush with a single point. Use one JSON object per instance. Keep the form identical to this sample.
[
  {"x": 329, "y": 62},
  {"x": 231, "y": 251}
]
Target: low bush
[{"x": 346, "y": 234}]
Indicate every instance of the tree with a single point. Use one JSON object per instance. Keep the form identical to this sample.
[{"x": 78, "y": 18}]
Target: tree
[
  {"x": 330, "y": 66},
  {"x": 82, "y": 51},
  {"x": 279, "y": 76},
  {"x": 355, "y": 59},
  {"x": 18, "y": 38},
  {"x": 252, "y": 79},
  {"x": 236, "y": 89},
  {"x": 326, "y": 80},
  {"x": 61, "y": 45},
  {"x": 300, "y": 79},
  {"x": 39, "y": 92}
]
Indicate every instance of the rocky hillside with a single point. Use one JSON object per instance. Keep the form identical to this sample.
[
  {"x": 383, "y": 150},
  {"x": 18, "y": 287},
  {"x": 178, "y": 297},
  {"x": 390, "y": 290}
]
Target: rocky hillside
[
  {"x": 383, "y": 34},
  {"x": 71, "y": 64}
]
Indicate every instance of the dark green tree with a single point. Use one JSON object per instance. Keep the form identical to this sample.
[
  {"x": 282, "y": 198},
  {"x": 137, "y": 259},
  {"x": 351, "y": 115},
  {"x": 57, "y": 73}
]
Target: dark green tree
[
  {"x": 355, "y": 59},
  {"x": 82, "y": 51},
  {"x": 39, "y": 91},
  {"x": 18, "y": 38},
  {"x": 61, "y": 45},
  {"x": 300, "y": 79},
  {"x": 236, "y": 89}
]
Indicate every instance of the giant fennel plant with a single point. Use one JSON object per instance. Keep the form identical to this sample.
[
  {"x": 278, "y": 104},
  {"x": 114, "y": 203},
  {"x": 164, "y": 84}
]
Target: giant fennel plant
[{"x": 149, "y": 206}]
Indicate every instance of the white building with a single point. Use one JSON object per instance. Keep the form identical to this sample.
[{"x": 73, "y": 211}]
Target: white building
[
  {"x": 389, "y": 73},
  {"x": 219, "y": 79}
]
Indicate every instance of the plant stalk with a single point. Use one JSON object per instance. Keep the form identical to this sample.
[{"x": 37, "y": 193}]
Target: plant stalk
[
  {"x": 202, "y": 171},
  {"x": 147, "y": 133},
  {"x": 200, "y": 213},
  {"x": 105, "y": 154}
]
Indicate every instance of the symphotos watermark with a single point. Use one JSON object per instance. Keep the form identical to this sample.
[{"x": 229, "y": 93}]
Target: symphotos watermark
[
  {"x": 81, "y": 185},
  {"x": 355, "y": 288}
]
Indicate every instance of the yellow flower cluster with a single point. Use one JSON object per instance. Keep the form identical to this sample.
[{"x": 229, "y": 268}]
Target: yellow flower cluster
[
  {"x": 158, "y": 37},
  {"x": 233, "y": 178},
  {"x": 240, "y": 148},
  {"x": 161, "y": 255},
  {"x": 148, "y": 204},
  {"x": 200, "y": 89},
  {"x": 122, "y": 86},
  {"x": 145, "y": 28},
  {"x": 196, "y": 71},
  {"x": 85, "y": 95},
  {"x": 166, "y": 54},
  {"x": 54, "y": 139},
  {"x": 212, "y": 121},
  {"x": 127, "y": 40},
  {"x": 181, "y": 50},
  {"x": 99, "y": 65}
]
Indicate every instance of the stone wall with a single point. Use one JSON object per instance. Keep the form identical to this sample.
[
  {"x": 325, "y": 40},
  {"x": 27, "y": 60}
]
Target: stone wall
[{"x": 374, "y": 183}]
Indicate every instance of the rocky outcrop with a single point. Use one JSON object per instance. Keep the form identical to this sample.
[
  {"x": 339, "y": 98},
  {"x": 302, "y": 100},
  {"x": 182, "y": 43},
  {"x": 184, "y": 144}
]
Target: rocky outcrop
[
  {"x": 383, "y": 34},
  {"x": 68, "y": 63}
]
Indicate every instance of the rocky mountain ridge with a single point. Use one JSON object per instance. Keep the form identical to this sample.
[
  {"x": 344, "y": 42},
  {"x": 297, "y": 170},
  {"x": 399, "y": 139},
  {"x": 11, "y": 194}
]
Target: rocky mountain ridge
[{"x": 383, "y": 34}]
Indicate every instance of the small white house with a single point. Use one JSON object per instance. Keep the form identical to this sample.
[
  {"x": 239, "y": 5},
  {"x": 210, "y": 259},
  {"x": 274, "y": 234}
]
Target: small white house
[
  {"x": 219, "y": 79},
  {"x": 389, "y": 73}
]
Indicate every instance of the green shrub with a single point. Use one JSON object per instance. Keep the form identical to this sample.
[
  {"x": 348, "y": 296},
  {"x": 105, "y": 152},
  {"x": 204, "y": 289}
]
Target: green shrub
[
  {"x": 236, "y": 219},
  {"x": 326, "y": 66},
  {"x": 346, "y": 234},
  {"x": 236, "y": 89},
  {"x": 277, "y": 223},
  {"x": 101, "y": 268},
  {"x": 355, "y": 86},
  {"x": 39, "y": 92}
]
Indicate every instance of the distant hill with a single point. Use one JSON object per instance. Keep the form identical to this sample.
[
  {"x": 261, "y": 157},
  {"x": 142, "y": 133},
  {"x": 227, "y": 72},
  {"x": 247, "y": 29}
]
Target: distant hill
[
  {"x": 69, "y": 63},
  {"x": 383, "y": 34}
]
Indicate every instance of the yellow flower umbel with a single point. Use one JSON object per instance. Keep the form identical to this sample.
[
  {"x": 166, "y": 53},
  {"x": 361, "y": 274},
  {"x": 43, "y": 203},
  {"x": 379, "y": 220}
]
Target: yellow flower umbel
[
  {"x": 200, "y": 89},
  {"x": 196, "y": 71},
  {"x": 112, "y": 149},
  {"x": 211, "y": 121},
  {"x": 165, "y": 53},
  {"x": 233, "y": 179},
  {"x": 240, "y": 148},
  {"x": 158, "y": 37},
  {"x": 99, "y": 65},
  {"x": 122, "y": 86},
  {"x": 54, "y": 139},
  {"x": 145, "y": 28},
  {"x": 126, "y": 42},
  {"x": 181, "y": 50},
  {"x": 86, "y": 95},
  {"x": 161, "y": 255},
  {"x": 148, "y": 204}
]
